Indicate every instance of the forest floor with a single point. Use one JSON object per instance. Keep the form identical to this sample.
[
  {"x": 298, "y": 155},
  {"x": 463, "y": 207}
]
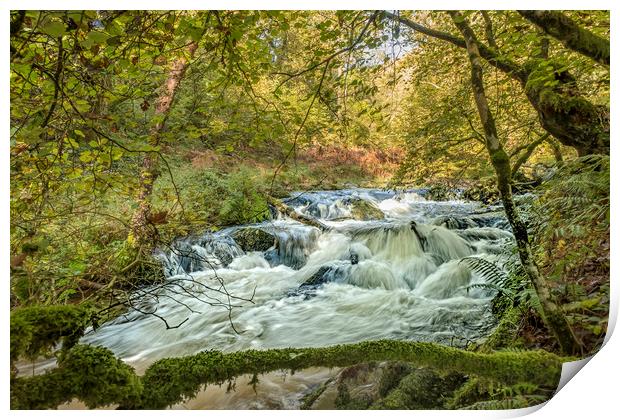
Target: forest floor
[{"x": 310, "y": 167}]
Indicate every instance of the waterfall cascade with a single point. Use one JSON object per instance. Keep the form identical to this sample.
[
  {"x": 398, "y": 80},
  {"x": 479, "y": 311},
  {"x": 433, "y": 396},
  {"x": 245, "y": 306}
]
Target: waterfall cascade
[{"x": 397, "y": 277}]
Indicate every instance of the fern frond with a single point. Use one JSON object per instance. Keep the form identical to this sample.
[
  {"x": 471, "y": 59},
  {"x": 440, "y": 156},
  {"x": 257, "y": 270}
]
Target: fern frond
[{"x": 486, "y": 269}]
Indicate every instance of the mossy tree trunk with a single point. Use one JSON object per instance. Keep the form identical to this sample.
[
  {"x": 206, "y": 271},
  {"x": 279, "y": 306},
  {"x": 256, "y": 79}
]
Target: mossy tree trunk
[
  {"x": 565, "y": 30},
  {"x": 552, "y": 313},
  {"x": 148, "y": 174},
  {"x": 562, "y": 111}
]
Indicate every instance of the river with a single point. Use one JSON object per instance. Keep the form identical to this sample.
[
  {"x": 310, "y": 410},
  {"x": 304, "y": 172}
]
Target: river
[{"x": 399, "y": 275}]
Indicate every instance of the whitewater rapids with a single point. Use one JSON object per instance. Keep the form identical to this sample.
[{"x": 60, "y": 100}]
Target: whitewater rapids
[{"x": 399, "y": 277}]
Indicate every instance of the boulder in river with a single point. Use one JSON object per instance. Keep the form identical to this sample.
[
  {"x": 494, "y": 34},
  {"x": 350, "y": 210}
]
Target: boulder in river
[
  {"x": 254, "y": 239},
  {"x": 326, "y": 274},
  {"x": 364, "y": 210},
  {"x": 318, "y": 278}
]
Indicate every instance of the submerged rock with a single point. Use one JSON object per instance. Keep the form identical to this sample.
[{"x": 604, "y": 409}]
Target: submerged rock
[
  {"x": 254, "y": 239},
  {"x": 385, "y": 385},
  {"x": 356, "y": 387}
]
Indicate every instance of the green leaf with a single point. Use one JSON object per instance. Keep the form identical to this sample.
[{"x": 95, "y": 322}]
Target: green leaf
[
  {"x": 96, "y": 38},
  {"x": 54, "y": 29},
  {"x": 86, "y": 157},
  {"x": 115, "y": 40},
  {"x": 236, "y": 34},
  {"x": 195, "y": 33}
]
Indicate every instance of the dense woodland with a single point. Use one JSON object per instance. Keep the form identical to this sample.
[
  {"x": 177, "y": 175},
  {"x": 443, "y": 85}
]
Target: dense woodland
[{"x": 130, "y": 129}]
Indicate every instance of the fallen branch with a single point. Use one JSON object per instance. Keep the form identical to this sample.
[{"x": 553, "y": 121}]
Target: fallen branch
[{"x": 290, "y": 212}]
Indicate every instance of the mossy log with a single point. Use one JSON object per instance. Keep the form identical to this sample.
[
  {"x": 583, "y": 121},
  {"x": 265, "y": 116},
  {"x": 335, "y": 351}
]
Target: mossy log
[
  {"x": 36, "y": 329},
  {"x": 91, "y": 374},
  {"x": 95, "y": 376}
]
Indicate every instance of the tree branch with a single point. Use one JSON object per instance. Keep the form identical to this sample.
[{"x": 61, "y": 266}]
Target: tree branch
[
  {"x": 569, "y": 33},
  {"x": 56, "y": 80},
  {"x": 332, "y": 56},
  {"x": 488, "y": 29},
  {"x": 504, "y": 64},
  {"x": 528, "y": 152}
]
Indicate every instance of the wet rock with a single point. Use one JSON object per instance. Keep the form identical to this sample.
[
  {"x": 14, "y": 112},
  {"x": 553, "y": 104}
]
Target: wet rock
[
  {"x": 454, "y": 222},
  {"x": 364, "y": 210},
  {"x": 254, "y": 239},
  {"x": 326, "y": 274},
  {"x": 484, "y": 233},
  {"x": 189, "y": 259},
  {"x": 293, "y": 246},
  {"x": 497, "y": 220},
  {"x": 421, "y": 237},
  {"x": 442, "y": 193},
  {"x": 422, "y": 389},
  {"x": 485, "y": 191},
  {"x": 224, "y": 248},
  {"x": 357, "y": 387},
  {"x": 317, "y": 278}
]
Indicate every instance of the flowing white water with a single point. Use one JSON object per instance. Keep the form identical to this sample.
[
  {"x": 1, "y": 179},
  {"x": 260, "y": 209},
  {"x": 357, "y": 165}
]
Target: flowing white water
[{"x": 387, "y": 278}]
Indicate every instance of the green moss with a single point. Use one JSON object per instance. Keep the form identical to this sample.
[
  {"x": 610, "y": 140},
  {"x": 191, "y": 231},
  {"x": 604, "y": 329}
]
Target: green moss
[
  {"x": 37, "y": 329},
  {"x": 365, "y": 210},
  {"x": 254, "y": 239},
  {"x": 169, "y": 381},
  {"x": 420, "y": 390},
  {"x": 344, "y": 400},
  {"x": 91, "y": 374},
  {"x": 505, "y": 334},
  {"x": 474, "y": 390},
  {"x": 548, "y": 82},
  {"x": 484, "y": 190},
  {"x": 392, "y": 376}
]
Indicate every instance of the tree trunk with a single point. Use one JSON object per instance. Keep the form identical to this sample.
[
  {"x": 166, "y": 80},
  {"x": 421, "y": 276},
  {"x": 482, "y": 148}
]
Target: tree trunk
[
  {"x": 140, "y": 226},
  {"x": 170, "y": 381},
  {"x": 570, "y": 118},
  {"x": 552, "y": 314}
]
